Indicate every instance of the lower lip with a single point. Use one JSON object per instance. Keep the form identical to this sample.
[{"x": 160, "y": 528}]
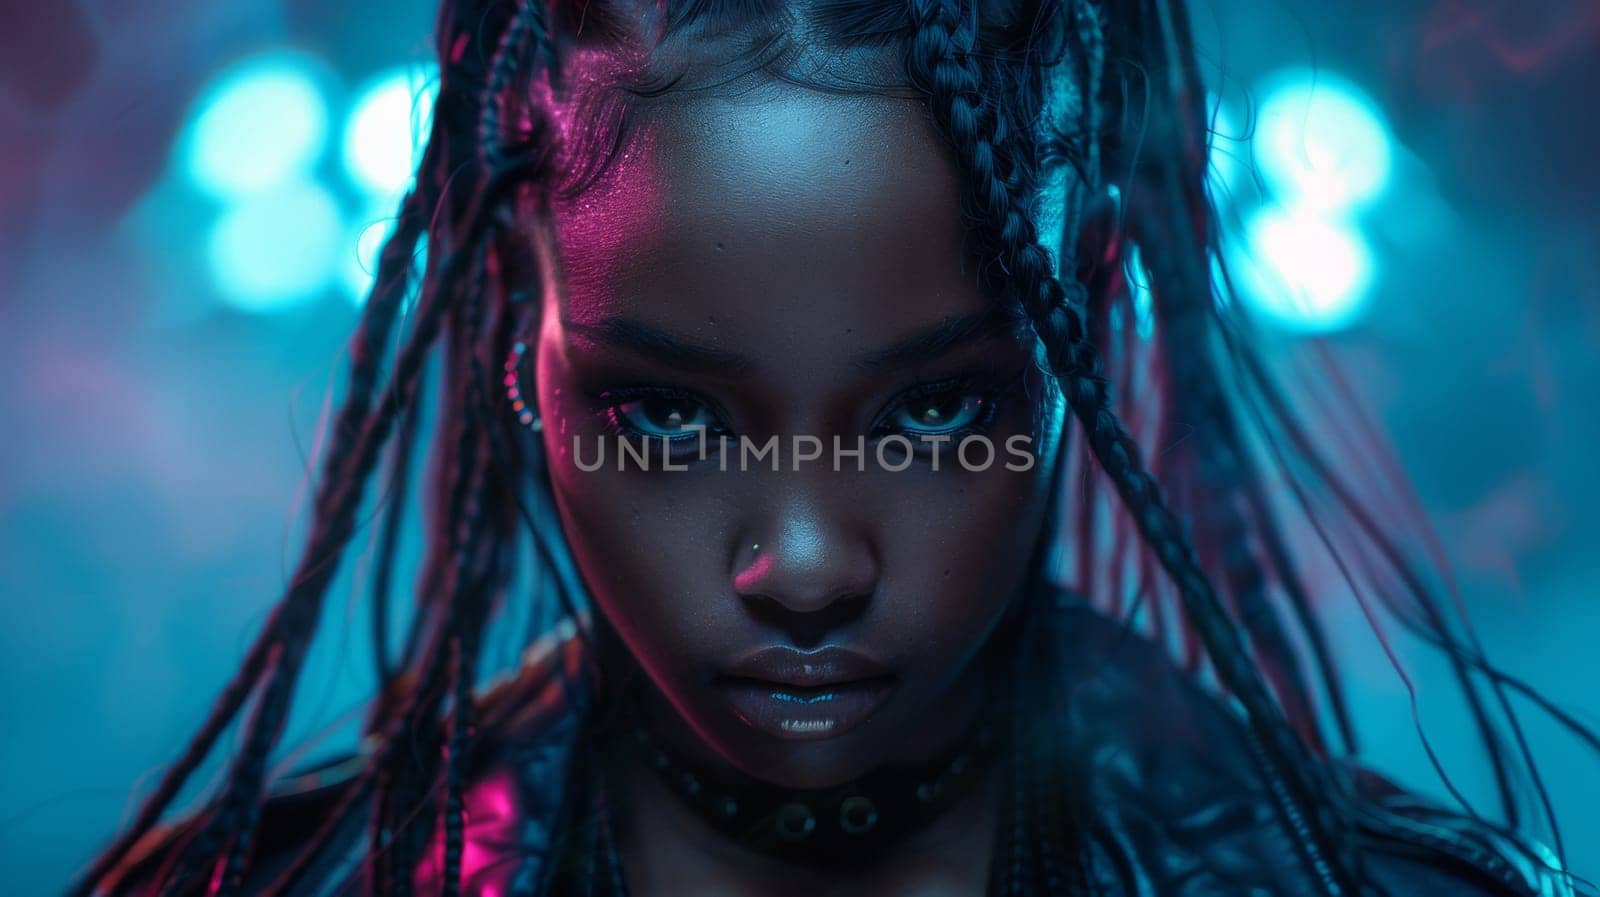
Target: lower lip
[{"x": 805, "y": 714}]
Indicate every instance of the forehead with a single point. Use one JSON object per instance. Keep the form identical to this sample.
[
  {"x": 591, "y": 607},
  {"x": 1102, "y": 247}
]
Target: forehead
[{"x": 770, "y": 220}]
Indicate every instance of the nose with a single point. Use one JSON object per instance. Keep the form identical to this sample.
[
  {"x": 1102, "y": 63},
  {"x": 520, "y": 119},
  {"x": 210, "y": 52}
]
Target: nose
[{"x": 811, "y": 574}]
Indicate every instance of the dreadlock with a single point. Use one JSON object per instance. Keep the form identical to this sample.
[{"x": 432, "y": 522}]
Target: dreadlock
[
  {"x": 993, "y": 153},
  {"x": 1021, "y": 90},
  {"x": 1211, "y": 380},
  {"x": 439, "y": 208}
]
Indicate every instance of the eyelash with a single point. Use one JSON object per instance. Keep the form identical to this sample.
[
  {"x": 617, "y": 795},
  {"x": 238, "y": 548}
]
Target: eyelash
[
  {"x": 990, "y": 393},
  {"x": 616, "y": 421}
]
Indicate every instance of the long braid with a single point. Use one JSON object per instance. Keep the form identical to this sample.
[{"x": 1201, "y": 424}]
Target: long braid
[
  {"x": 366, "y": 351},
  {"x": 409, "y": 760},
  {"x": 1177, "y": 235},
  {"x": 252, "y": 765},
  {"x": 473, "y": 566},
  {"x": 397, "y": 830},
  {"x": 1174, "y": 222},
  {"x": 409, "y": 742},
  {"x": 303, "y": 605},
  {"x": 395, "y": 497},
  {"x": 275, "y": 656},
  {"x": 465, "y": 618},
  {"x": 941, "y": 63},
  {"x": 466, "y": 603},
  {"x": 525, "y": 35},
  {"x": 1176, "y": 225},
  {"x": 1056, "y": 811},
  {"x": 267, "y": 653},
  {"x": 274, "y": 660},
  {"x": 1169, "y": 193},
  {"x": 1223, "y": 479},
  {"x": 356, "y": 438}
]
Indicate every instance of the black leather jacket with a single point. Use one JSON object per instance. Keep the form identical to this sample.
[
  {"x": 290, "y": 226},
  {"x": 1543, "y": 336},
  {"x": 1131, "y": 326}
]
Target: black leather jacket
[{"x": 1184, "y": 806}]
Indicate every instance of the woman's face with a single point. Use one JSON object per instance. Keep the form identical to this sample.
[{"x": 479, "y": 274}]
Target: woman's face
[{"x": 788, "y": 263}]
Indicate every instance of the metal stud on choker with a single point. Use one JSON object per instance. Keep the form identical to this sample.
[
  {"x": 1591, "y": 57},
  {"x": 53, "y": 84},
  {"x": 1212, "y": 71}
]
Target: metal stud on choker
[{"x": 835, "y": 825}]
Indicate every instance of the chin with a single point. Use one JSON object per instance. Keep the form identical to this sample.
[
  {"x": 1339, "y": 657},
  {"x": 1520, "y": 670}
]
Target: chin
[{"x": 808, "y": 765}]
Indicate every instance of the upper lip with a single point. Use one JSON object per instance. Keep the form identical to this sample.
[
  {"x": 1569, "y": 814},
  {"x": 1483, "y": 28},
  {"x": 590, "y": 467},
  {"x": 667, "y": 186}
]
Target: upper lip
[{"x": 783, "y": 665}]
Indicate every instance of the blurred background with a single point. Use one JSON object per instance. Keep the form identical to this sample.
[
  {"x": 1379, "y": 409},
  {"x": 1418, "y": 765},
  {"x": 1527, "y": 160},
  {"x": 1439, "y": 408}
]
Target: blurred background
[{"x": 191, "y": 194}]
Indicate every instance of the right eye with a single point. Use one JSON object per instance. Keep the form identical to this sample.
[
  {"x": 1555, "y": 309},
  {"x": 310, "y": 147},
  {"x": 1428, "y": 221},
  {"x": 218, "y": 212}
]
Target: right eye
[{"x": 669, "y": 416}]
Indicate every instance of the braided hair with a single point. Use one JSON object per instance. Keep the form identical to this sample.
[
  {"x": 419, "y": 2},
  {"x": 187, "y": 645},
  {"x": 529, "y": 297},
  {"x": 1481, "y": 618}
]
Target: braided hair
[{"x": 1054, "y": 111}]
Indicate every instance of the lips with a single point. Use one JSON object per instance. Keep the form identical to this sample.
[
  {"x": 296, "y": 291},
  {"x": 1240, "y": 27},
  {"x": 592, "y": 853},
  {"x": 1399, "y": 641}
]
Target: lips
[{"x": 806, "y": 695}]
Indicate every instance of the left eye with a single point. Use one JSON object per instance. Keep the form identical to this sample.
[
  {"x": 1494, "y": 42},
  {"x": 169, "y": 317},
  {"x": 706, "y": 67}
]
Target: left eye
[
  {"x": 665, "y": 417},
  {"x": 941, "y": 413}
]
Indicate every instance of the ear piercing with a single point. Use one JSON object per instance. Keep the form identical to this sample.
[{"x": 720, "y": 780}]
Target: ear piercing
[{"x": 519, "y": 406}]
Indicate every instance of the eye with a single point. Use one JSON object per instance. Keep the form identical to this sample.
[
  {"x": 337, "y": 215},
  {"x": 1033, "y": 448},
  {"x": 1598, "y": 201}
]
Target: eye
[
  {"x": 937, "y": 413},
  {"x": 664, "y": 416}
]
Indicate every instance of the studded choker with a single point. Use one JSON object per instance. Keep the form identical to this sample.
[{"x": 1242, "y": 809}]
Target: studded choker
[{"x": 845, "y": 824}]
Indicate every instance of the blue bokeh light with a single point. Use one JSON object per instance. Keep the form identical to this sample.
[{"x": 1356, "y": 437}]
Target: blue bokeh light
[
  {"x": 1302, "y": 271},
  {"x": 260, "y": 124},
  {"x": 1229, "y": 152},
  {"x": 276, "y": 250},
  {"x": 1321, "y": 142},
  {"x": 387, "y": 128}
]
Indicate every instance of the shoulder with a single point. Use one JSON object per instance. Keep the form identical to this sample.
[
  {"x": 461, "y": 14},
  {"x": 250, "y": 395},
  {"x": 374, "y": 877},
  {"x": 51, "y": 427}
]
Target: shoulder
[
  {"x": 1178, "y": 790},
  {"x": 300, "y": 805},
  {"x": 526, "y": 734},
  {"x": 1175, "y": 801},
  {"x": 1419, "y": 876},
  {"x": 1413, "y": 846}
]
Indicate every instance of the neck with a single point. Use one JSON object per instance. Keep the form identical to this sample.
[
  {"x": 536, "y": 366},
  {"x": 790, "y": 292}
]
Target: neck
[
  {"x": 667, "y": 847},
  {"x": 930, "y": 815}
]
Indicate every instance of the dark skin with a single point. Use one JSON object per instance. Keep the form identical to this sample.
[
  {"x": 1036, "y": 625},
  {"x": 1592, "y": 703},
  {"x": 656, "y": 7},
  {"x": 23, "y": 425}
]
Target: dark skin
[{"x": 787, "y": 261}]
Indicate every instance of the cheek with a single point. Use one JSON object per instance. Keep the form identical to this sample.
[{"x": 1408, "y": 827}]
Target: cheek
[
  {"x": 959, "y": 543},
  {"x": 651, "y": 555},
  {"x": 649, "y": 548},
  {"x": 961, "y": 550}
]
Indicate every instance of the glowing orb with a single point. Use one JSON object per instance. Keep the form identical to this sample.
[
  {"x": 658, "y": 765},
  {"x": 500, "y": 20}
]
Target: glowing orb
[
  {"x": 1301, "y": 271},
  {"x": 276, "y": 250},
  {"x": 262, "y": 123},
  {"x": 1322, "y": 142},
  {"x": 1228, "y": 154},
  {"x": 387, "y": 129}
]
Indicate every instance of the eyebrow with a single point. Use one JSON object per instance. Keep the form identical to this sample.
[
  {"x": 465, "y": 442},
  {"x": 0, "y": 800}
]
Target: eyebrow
[
  {"x": 938, "y": 340},
  {"x": 659, "y": 345}
]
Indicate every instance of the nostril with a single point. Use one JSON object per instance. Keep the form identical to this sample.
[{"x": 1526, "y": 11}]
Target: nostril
[
  {"x": 807, "y": 625},
  {"x": 812, "y": 575}
]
